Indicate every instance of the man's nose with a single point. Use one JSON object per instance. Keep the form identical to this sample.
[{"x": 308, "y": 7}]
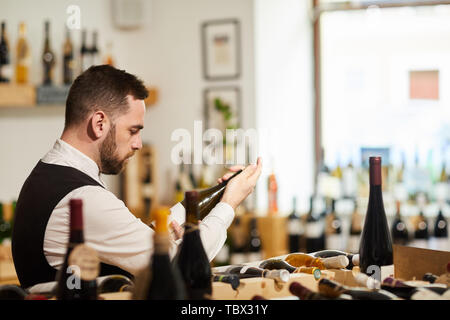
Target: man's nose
[{"x": 137, "y": 144}]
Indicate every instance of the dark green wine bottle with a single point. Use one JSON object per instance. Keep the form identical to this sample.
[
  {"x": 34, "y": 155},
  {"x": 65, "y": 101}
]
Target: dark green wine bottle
[{"x": 209, "y": 198}]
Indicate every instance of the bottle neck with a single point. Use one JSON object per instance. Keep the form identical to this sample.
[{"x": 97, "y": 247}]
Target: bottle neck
[
  {"x": 375, "y": 174},
  {"x": 76, "y": 236}
]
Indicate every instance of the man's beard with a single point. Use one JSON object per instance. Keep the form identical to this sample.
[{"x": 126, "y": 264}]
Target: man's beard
[{"x": 110, "y": 161}]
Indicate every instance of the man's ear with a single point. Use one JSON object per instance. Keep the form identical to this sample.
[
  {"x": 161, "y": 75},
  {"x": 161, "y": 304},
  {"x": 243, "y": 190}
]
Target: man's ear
[{"x": 99, "y": 124}]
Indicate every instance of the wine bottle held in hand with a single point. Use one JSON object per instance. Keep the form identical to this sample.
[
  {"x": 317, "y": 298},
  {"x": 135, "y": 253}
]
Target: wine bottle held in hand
[
  {"x": 209, "y": 198},
  {"x": 77, "y": 276},
  {"x": 376, "y": 245},
  {"x": 192, "y": 260}
]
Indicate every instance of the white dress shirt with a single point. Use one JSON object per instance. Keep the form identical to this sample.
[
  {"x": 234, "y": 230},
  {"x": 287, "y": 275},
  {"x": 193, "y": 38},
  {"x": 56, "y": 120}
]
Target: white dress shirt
[{"x": 119, "y": 237}]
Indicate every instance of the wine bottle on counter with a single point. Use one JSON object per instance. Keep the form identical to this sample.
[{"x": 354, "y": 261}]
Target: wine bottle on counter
[
  {"x": 165, "y": 278},
  {"x": 274, "y": 263},
  {"x": 295, "y": 229},
  {"x": 306, "y": 294},
  {"x": 231, "y": 279},
  {"x": 307, "y": 260},
  {"x": 114, "y": 283},
  {"x": 254, "y": 272},
  {"x": 81, "y": 262},
  {"x": 406, "y": 290},
  {"x": 277, "y": 264},
  {"x": 333, "y": 289},
  {"x": 376, "y": 244},
  {"x": 333, "y": 230},
  {"x": 23, "y": 57},
  {"x": 68, "y": 61},
  {"x": 315, "y": 228},
  {"x": 5, "y": 63},
  {"x": 355, "y": 230},
  {"x": 439, "y": 241},
  {"x": 191, "y": 259},
  {"x": 352, "y": 258},
  {"x": 12, "y": 292},
  {"x": 310, "y": 270},
  {"x": 400, "y": 233},
  {"x": 48, "y": 57},
  {"x": 431, "y": 278},
  {"x": 254, "y": 242},
  {"x": 209, "y": 198}
]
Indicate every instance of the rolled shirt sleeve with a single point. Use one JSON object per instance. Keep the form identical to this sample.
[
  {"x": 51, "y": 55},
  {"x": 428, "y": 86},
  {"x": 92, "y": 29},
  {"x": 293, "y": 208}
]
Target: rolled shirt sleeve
[{"x": 118, "y": 236}]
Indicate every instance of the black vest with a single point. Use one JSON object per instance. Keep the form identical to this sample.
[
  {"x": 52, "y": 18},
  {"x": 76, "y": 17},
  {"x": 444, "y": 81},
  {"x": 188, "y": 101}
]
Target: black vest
[{"x": 42, "y": 191}]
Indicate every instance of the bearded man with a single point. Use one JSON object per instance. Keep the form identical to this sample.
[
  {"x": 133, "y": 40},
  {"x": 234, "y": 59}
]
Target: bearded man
[{"x": 104, "y": 116}]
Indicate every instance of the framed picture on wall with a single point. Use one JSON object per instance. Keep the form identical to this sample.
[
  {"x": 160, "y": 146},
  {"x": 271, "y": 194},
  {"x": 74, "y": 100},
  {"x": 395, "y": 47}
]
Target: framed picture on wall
[
  {"x": 221, "y": 49},
  {"x": 222, "y": 108}
]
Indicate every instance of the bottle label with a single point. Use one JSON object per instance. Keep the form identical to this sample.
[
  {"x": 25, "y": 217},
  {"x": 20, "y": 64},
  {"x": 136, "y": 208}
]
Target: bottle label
[
  {"x": 84, "y": 262},
  {"x": 295, "y": 227},
  {"x": 314, "y": 229}
]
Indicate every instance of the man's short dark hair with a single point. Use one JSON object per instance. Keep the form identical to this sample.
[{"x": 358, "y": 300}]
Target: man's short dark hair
[{"x": 102, "y": 88}]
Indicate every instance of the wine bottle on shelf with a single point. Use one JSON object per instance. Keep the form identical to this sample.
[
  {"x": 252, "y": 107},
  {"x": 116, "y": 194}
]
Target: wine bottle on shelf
[
  {"x": 165, "y": 280},
  {"x": 421, "y": 235},
  {"x": 48, "y": 57},
  {"x": 68, "y": 62},
  {"x": 209, "y": 198},
  {"x": 254, "y": 242},
  {"x": 439, "y": 240},
  {"x": 405, "y": 290},
  {"x": 352, "y": 258},
  {"x": 254, "y": 272},
  {"x": 333, "y": 239},
  {"x": 333, "y": 289},
  {"x": 315, "y": 228},
  {"x": 191, "y": 259},
  {"x": 295, "y": 229},
  {"x": 95, "y": 53},
  {"x": 23, "y": 56},
  {"x": 376, "y": 244},
  {"x": 272, "y": 188},
  {"x": 85, "y": 53},
  {"x": 400, "y": 233},
  {"x": 307, "y": 260},
  {"x": 114, "y": 283},
  {"x": 5, "y": 63},
  {"x": 231, "y": 279},
  {"x": 355, "y": 230},
  {"x": 81, "y": 262}
]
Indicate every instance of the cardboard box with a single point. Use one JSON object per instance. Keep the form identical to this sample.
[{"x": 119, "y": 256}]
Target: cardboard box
[{"x": 17, "y": 95}]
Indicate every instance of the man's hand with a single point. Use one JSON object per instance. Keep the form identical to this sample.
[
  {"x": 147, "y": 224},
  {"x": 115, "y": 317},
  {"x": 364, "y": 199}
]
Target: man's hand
[{"x": 242, "y": 185}]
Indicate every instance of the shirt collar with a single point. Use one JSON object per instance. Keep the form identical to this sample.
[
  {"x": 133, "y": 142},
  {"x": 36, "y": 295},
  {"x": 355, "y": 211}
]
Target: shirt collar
[{"x": 66, "y": 155}]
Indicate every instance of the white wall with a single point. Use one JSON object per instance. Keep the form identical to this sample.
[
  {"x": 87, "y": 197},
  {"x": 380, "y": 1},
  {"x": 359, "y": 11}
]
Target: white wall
[
  {"x": 284, "y": 99},
  {"x": 165, "y": 53}
]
